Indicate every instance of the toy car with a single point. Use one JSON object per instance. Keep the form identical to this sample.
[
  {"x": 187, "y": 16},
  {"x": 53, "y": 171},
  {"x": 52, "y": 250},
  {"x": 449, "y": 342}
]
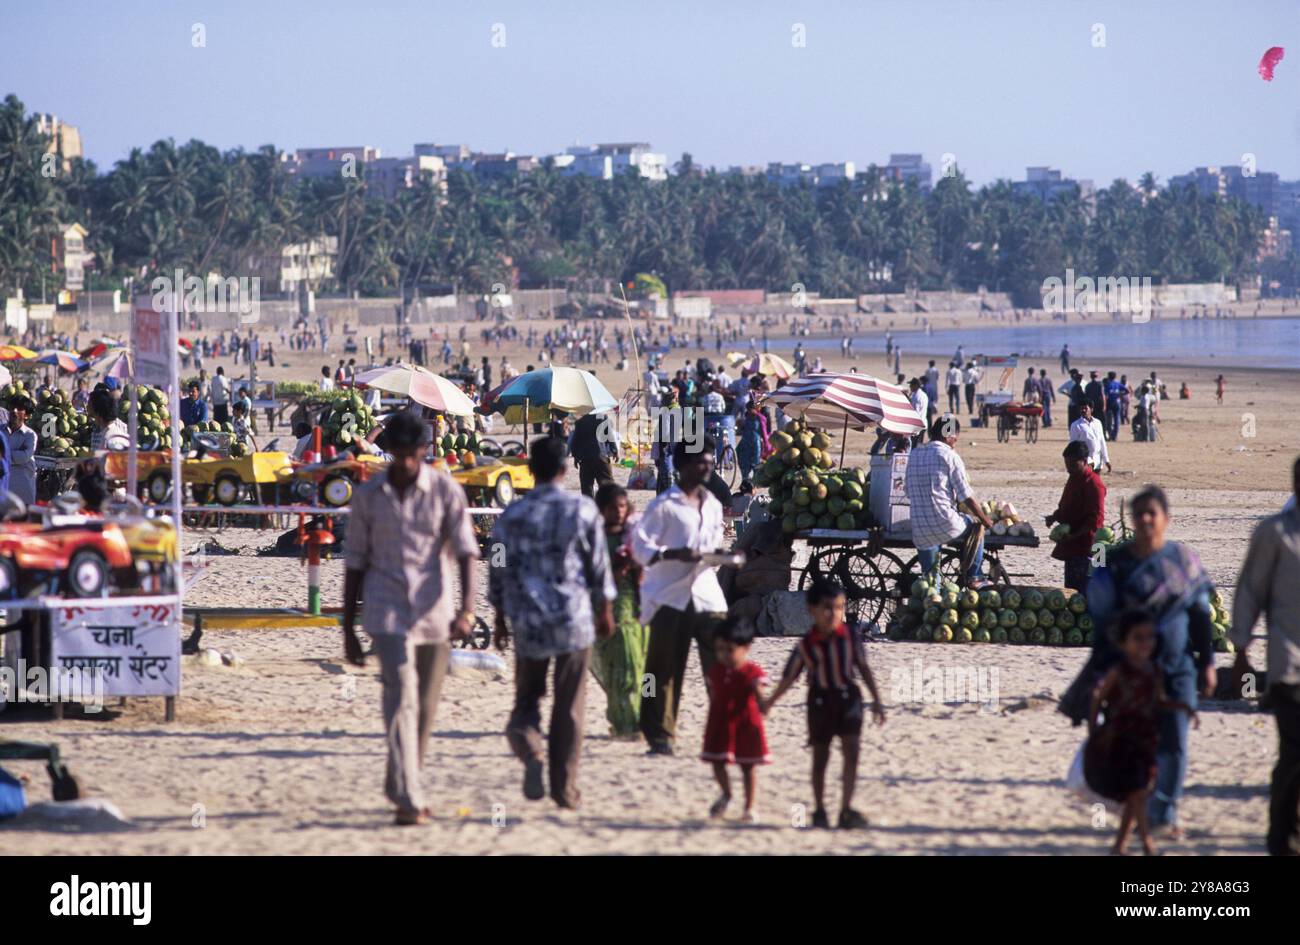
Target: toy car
[
  {"x": 79, "y": 553},
  {"x": 489, "y": 481},
  {"x": 332, "y": 481},
  {"x": 225, "y": 479}
]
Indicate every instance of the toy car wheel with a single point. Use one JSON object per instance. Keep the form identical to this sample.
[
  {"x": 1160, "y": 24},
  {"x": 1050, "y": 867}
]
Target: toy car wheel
[
  {"x": 8, "y": 578},
  {"x": 303, "y": 490},
  {"x": 227, "y": 489},
  {"x": 336, "y": 491},
  {"x": 159, "y": 487},
  {"x": 503, "y": 491},
  {"x": 87, "y": 574}
]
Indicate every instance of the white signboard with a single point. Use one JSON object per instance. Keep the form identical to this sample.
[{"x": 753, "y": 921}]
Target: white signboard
[
  {"x": 153, "y": 338},
  {"x": 135, "y": 648}
]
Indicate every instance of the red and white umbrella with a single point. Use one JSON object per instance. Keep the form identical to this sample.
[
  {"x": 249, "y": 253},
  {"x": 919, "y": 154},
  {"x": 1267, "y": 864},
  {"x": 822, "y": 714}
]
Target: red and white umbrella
[
  {"x": 421, "y": 385},
  {"x": 854, "y": 400}
]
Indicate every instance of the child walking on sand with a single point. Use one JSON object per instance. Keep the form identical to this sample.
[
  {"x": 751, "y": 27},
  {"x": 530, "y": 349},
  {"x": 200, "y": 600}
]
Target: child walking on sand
[
  {"x": 831, "y": 651},
  {"x": 734, "y": 731},
  {"x": 1119, "y": 759}
]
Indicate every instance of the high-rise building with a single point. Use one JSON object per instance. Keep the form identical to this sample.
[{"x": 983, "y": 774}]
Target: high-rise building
[
  {"x": 908, "y": 167},
  {"x": 1047, "y": 183},
  {"x": 65, "y": 139}
]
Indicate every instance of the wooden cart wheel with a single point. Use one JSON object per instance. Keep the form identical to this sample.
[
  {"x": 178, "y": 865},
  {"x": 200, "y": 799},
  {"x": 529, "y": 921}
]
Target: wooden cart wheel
[
  {"x": 898, "y": 576},
  {"x": 728, "y": 467},
  {"x": 990, "y": 570},
  {"x": 1004, "y": 433},
  {"x": 1031, "y": 429},
  {"x": 871, "y": 583},
  {"x": 822, "y": 564}
]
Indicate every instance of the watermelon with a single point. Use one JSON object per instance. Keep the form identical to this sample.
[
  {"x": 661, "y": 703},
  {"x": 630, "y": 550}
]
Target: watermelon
[
  {"x": 1011, "y": 599},
  {"x": 1078, "y": 604},
  {"x": 1056, "y": 600}
]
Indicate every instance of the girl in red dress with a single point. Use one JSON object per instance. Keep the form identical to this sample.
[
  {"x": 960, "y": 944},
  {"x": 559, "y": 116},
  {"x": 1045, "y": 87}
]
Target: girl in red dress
[{"x": 734, "y": 732}]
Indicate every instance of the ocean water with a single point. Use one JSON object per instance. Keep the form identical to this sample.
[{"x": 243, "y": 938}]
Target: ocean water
[{"x": 1232, "y": 342}]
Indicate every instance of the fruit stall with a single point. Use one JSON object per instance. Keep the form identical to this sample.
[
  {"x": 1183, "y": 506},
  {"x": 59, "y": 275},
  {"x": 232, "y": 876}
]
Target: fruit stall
[{"x": 855, "y": 523}]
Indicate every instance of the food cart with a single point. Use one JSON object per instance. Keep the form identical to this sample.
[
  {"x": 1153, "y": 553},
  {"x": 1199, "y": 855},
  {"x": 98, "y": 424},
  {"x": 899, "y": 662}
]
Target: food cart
[{"x": 998, "y": 403}]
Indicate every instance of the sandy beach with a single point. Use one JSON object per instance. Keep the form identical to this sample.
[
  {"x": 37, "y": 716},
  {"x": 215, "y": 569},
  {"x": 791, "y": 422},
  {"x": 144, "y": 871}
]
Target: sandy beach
[{"x": 284, "y": 754}]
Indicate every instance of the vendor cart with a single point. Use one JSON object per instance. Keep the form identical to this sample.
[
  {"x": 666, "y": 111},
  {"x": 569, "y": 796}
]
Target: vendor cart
[
  {"x": 877, "y": 569},
  {"x": 1010, "y": 418}
]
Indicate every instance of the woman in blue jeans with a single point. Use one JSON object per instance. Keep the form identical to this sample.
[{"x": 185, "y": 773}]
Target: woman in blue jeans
[{"x": 1167, "y": 580}]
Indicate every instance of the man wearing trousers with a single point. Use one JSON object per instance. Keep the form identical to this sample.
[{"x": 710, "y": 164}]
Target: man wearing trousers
[
  {"x": 405, "y": 529},
  {"x": 553, "y": 590},
  {"x": 681, "y": 598},
  {"x": 1269, "y": 584}
]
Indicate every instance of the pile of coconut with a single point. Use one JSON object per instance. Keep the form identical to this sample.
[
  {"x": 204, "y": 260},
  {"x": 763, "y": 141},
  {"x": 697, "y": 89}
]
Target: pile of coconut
[{"x": 1006, "y": 521}]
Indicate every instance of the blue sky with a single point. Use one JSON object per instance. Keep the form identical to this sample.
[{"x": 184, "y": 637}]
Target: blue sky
[{"x": 1000, "y": 84}]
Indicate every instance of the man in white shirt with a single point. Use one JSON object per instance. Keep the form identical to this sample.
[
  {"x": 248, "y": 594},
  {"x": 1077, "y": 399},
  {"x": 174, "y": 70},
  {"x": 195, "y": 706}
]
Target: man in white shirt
[
  {"x": 954, "y": 388},
  {"x": 1089, "y": 430},
  {"x": 651, "y": 381},
  {"x": 920, "y": 403},
  {"x": 220, "y": 398},
  {"x": 681, "y": 598},
  {"x": 972, "y": 378}
]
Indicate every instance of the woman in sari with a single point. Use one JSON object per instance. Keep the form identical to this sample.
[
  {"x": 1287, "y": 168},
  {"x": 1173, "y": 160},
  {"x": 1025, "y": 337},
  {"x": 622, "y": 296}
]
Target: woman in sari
[
  {"x": 1166, "y": 580},
  {"x": 618, "y": 663}
]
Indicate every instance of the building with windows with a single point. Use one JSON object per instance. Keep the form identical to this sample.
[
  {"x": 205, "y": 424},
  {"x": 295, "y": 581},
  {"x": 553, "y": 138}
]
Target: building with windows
[
  {"x": 1047, "y": 184},
  {"x": 65, "y": 139},
  {"x": 908, "y": 168}
]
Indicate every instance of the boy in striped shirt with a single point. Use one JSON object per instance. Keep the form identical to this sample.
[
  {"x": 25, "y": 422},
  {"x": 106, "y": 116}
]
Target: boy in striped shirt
[{"x": 830, "y": 652}]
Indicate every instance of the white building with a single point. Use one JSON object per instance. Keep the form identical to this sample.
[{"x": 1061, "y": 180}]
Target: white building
[
  {"x": 388, "y": 176},
  {"x": 606, "y": 161},
  {"x": 309, "y": 263}
]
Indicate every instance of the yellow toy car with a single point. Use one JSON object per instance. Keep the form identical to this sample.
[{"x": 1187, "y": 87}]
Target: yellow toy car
[
  {"x": 488, "y": 481},
  {"x": 224, "y": 479},
  {"x": 153, "y": 547},
  {"x": 331, "y": 481}
]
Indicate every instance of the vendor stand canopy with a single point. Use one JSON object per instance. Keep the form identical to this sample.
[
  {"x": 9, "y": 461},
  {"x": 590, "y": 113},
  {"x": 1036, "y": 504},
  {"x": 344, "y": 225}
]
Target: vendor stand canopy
[
  {"x": 421, "y": 385},
  {"x": 562, "y": 389},
  {"x": 16, "y": 353},
  {"x": 852, "y": 400}
]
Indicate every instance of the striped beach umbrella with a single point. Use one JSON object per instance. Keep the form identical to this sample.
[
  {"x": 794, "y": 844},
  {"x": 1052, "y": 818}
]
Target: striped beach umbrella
[
  {"x": 422, "y": 386},
  {"x": 852, "y": 400},
  {"x": 16, "y": 353}
]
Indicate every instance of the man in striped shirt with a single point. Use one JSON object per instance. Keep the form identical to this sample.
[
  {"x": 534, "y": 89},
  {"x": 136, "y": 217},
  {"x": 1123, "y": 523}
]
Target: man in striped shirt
[{"x": 830, "y": 652}]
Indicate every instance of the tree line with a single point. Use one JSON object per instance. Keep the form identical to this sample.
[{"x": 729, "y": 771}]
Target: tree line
[{"x": 205, "y": 210}]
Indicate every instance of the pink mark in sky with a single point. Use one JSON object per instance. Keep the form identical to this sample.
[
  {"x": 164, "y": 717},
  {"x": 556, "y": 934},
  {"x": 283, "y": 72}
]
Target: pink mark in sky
[{"x": 1271, "y": 58}]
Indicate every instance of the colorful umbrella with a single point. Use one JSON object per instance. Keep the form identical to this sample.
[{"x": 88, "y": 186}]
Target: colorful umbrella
[
  {"x": 16, "y": 353},
  {"x": 563, "y": 388},
  {"x": 422, "y": 386},
  {"x": 100, "y": 348},
  {"x": 119, "y": 367},
  {"x": 856, "y": 400},
  {"x": 769, "y": 365},
  {"x": 65, "y": 362}
]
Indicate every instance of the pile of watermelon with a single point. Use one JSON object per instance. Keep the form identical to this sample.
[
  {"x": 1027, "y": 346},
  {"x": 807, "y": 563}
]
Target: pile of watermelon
[
  {"x": 806, "y": 490},
  {"x": 153, "y": 417},
  {"x": 1222, "y": 623},
  {"x": 941, "y": 612},
  {"x": 60, "y": 430}
]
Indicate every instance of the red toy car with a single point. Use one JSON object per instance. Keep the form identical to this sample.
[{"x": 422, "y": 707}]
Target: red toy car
[{"x": 79, "y": 552}]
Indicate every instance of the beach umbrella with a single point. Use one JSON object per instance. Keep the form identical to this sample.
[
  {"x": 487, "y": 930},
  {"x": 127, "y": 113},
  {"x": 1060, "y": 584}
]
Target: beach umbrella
[
  {"x": 119, "y": 367},
  {"x": 770, "y": 365},
  {"x": 854, "y": 400},
  {"x": 100, "y": 348},
  {"x": 566, "y": 389},
  {"x": 16, "y": 353},
  {"x": 64, "y": 361},
  {"x": 421, "y": 385}
]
